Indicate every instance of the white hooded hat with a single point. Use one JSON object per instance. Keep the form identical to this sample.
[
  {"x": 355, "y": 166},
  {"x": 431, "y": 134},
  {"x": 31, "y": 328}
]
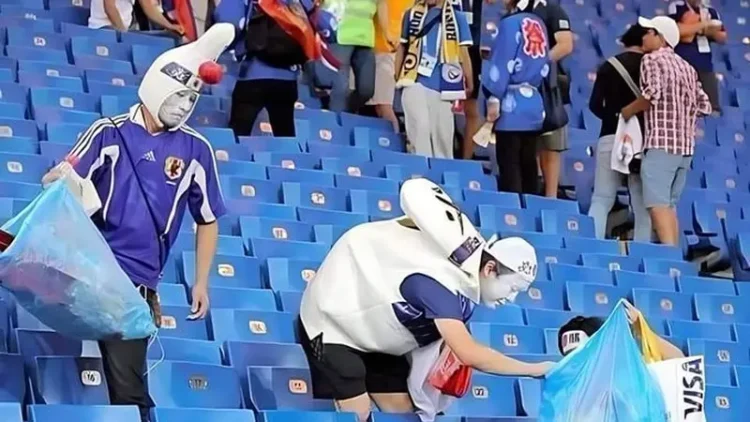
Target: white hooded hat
[
  {"x": 434, "y": 212},
  {"x": 177, "y": 69}
]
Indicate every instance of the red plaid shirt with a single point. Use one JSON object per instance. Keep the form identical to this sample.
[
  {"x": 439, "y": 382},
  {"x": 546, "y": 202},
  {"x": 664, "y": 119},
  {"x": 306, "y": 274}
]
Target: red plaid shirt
[{"x": 671, "y": 85}]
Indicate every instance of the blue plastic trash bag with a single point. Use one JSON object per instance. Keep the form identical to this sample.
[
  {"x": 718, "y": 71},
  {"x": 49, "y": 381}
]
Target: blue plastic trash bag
[
  {"x": 61, "y": 270},
  {"x": 605, "y": 380}
]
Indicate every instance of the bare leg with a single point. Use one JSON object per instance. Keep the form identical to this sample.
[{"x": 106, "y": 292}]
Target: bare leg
[
  {"x": 665, "y": 222},
  {"x": 359, "y": 405},
  {"x": 473, "y": 123},
  {"x": 550, "y": 163},
  {"x": 393, "y": 402},
  {"x": 385, "y": 111}
]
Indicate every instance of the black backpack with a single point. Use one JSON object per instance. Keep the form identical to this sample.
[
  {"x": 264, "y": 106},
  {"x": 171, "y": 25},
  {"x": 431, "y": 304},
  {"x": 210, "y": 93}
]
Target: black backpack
[{"x": 267, "y": 41}]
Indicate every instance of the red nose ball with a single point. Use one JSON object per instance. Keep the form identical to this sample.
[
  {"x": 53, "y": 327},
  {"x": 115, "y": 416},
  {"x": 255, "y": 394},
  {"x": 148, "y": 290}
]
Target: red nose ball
[{"x": 211, "y": 73}]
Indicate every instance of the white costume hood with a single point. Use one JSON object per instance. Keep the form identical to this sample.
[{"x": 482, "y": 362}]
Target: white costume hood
[{"x": 177, "y": 69}]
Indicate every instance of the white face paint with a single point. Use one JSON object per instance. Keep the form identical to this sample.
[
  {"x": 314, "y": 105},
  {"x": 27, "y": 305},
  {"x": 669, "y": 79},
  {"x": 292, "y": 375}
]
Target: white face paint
[
  {"x": 499, "y": 290},
  {"x": 176, "y": 107}
]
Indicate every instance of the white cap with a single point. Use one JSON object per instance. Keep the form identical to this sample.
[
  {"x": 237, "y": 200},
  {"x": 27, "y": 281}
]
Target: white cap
[
  {"x": 665, "y": 26},
  {"x": 515, "y": 253},
  {"x": 177, "y": 69}
]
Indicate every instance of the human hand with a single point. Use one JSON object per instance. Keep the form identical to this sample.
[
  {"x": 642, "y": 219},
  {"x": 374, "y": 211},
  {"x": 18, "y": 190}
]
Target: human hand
[
  {"x": 468, "y": 87},
  {"x": 392, "y": 42},
  {"x": 60, "y": 171},
  {"x": 176, "y": 27},
  {"x": 538, "y": 370},
  {"x": 200, "y": 303},
  {"x": 634, "y": 314}
]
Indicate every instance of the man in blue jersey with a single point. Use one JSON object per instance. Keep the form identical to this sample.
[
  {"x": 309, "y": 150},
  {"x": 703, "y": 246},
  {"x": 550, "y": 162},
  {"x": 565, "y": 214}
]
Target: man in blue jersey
[
  {"x": 700, "y": 26},
  {"x": 146, "y": 167}
]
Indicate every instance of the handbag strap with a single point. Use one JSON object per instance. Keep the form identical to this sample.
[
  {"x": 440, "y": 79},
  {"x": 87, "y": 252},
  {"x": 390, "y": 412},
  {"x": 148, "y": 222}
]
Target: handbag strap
[{"x": 625, "y": 75}]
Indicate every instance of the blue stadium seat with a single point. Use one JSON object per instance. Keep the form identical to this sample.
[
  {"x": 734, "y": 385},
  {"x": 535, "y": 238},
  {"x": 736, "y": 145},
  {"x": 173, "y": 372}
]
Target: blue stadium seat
[
  {"x": 18, "y": 190},
  {"x": 288, "y": 160},
  {"x": 202, "y": 415},
  {"x": 594, "y": 299},
  {"x": 45, "y": 115},
  {"x": 99, "y": 63},
  {"x": 70, "y": 380},
  {"x": 373, "y": 138},
  {"x": 586, "y": 245},
  {"x": 538, "y": 240},
  {"x": 672, "y": 268},
  {"x": 250, "y": 299},
  {"x": 721, "y": 309},
  {"x": 154, "y": 42},
  {"x": 484, "y": 387},
  {"x": 637, "y": 280},
  {"x": 311, "y": 195},
  {"x": 316, "y": 177},
  {"x": 662, "y": 304},
  {"x": 39, "y": 54},
  {"x": 291, "y": 274},
  {"x": 403, "y": 172},
  {"x": 250, "y": 189},
  {"x": 507, "y": 314},
  {"x": 719, "y": 352},
  {"x": 719, "y": 375},
  {"x": 530, "y": 396},
  {"x": 257, "y": 326},
  {"x": 548, "y": 318},
  {"x": 106, "y": 88},
  {"x": 283, "y": 389},
  {"x": 470, "y": 167},
  {"x": 267, "y": 228},
  {"x": 113, "y": 78},
  {"x": 465, "y": 180},
  {"x": 741, "y": 375},
  {"x": 352, "y": 167},
  {"x": 542, "y": 295},
  {"x": 227, "y": 271},
  {"x": 13, "y": 93},
  {"x": 64, "y": 133},
  {"x": 17, "y": 145},
  {"x": 11, "y": 412},
  {"x": 273, "y": 248},
  {"x": 12, "y": 378},
  {"x": 574, "y": 273},
  {"x": 71, "y": 30},
  {"x": 349, "y": 121},
  {"x": 375, "y": 203},
  {"x": 33, "y": 343},
  {"x": 185, "y": 350},
  {"x": 289, "y": 301},
  {"x": 556, "y": 222},
  {"x": 725, "y": 404},
  {"x": 337, "y": 218},
  {"x": 536, "y": 204},
  {"x": 186, "y": 384},
  {"x": 557, "y": 256},
  {"x": 227, "y": 245},
  {"x": 611, "y": 262},
  {"x": 175, "y": 323},
  {"x": 64, "y": 412},
  {"x": 56, "y": 98},
  {"x": 22, "y": 37},
  {"x": 366, "y": 183},
  {"x": 236, "y": 207},
  {"x": 49, "y": 69},
  {"x": 407, "y": 160},
  {"x": 18, "y": 128},
  {"x": 654, "y": 251},
  {"x": 700, "y": 330},
  {"x": 271, "y": 144},
  {"x": 85, "y": 46},
  {"x": 311, "y": 416},
  {"x": 505, "y": 219},
  {"x": 172, "y": 294},
  {"x": 507, "y": 338},
  {"x": 693, "y": 285}
]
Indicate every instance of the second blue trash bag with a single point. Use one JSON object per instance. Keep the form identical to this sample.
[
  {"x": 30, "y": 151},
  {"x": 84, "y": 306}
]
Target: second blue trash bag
[
  {"x": 605, "y": 380},
  {"x": 60, "y": 269}
]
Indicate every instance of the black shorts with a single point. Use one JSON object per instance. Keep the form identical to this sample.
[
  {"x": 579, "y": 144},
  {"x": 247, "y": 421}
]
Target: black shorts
[
  {"x": 476, "y": 69},
  {"x": 340, "y": 372}
]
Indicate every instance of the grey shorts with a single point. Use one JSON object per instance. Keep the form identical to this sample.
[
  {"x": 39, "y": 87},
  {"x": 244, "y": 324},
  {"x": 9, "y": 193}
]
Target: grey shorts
[
  {"x": 557, "y": 140},
  {"x": 711, "y": 87},
  {"x": 663, "y": 176}
]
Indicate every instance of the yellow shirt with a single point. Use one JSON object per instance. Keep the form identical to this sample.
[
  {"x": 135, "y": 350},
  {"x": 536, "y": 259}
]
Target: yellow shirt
[{"x": 396, "y": 10}]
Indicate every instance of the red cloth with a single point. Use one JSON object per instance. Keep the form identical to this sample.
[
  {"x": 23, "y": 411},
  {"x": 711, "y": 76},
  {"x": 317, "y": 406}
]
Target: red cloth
[
  {"x": 183, "y": 13},
  {"x": 449, "y": 375}
]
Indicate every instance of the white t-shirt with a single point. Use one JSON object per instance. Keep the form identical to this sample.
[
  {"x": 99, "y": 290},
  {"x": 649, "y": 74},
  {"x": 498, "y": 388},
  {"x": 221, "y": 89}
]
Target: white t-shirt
[{"x": 98, "y": 18}]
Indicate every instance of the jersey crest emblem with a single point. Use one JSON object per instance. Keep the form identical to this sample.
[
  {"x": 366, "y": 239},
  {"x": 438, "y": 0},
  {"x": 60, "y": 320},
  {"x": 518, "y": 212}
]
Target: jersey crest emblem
[
  {"x": 173, "y": 167},
  {"x": 534, "y": 38}
]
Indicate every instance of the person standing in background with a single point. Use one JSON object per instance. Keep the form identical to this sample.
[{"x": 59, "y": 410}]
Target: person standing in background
[
  {"x": 385, "y": 57},
  {"x": 355, "y": 36},
  {"x": 672, "y": 99},
  {"x": 560, "y": 39},
  {"x": 518, "y": 66},
  {"x": 700, "y": 25},
  {"x": 260, "y": 85},
  {"x": 118, "y": 15},
  {"x": 434, "y": 69},
  {"x": 610, "y": 94},
  {"x": 471, "y": 106}
]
